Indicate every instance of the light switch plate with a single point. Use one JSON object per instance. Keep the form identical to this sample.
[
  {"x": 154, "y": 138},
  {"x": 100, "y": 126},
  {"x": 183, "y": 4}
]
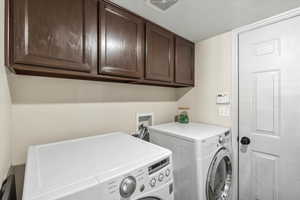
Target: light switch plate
[{"x": 222, "y": 98}]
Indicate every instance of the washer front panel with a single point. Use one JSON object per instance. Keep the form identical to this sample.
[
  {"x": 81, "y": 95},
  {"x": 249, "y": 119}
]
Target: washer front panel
[{"x": 219, "y": 179}]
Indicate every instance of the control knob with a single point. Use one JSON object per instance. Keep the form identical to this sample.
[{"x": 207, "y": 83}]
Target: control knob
[
  {"x": 161, "y": 177},
  {"x": 221, "y": 140},
  {"x": 127, "y": 186},
  {"x": 153, "y": 182},
  {"x": 168, "y": 172}
]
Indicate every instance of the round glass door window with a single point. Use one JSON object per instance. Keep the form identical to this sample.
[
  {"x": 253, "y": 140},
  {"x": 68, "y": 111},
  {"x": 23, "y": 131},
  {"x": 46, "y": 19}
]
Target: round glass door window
[
  {"x": 149, "y": 198},
  {"x": 219, "y": 180}
]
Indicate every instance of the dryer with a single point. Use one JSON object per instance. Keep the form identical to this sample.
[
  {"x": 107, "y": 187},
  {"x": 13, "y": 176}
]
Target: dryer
[
  {"x": 115, "y": 166},
  {"x": 202, "y": 159}
]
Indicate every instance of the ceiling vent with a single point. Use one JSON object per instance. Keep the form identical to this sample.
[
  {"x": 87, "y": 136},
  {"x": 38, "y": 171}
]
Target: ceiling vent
[{"x": 161, "y": 5}]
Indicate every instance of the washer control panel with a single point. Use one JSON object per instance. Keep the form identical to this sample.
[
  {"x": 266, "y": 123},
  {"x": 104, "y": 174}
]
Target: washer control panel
[
  {"x": 158, "y": 178},
  {"x": 140, "y": 181}
]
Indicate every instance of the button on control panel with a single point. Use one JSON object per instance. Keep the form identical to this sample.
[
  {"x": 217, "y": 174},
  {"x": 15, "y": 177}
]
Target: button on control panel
[
  {"x": 153, "y": 182},
  {"x": 142, "y": 188},
  {"x": 161, "y": 177},
  {"x": 168, "y": 171},
  {"x": 221, "y": 140}
]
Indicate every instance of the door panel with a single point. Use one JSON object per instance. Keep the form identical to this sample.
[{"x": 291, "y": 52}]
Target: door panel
[
  {"x": 160, "y": 54},
  {"x": 59, "y": 34},
  {"x": 266, "y": 102},
  {"x": 265, "y": 176},
  {"x": 268, "y": 108},
  {"x": 184, "y": 61},
  {"x": 122, "y": 42}
]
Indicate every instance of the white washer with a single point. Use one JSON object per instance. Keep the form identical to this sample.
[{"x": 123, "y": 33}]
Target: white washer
[
  {"x": 202, "y": 159},
  {"x": 115, "y": 166}
]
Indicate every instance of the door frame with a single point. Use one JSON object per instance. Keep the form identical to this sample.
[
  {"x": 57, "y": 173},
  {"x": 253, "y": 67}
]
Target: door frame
[{"x": 235, "y": 83}]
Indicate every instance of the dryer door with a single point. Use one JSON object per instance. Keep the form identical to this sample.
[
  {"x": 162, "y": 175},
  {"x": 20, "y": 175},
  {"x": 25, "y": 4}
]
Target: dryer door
[{"x": 219, "y": 179}]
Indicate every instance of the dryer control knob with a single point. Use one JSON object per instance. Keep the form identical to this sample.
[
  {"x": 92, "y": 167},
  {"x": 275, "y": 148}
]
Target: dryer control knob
[
  {"x": 221, "y": 140},
  {"x": 127, "y": 186},
  {"x": 153, "y": 182}
]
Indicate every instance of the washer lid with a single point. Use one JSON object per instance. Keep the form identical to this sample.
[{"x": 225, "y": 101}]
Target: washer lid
[
  {"x": 191, "y": 131},
  {"x": 65, "y": 167}
]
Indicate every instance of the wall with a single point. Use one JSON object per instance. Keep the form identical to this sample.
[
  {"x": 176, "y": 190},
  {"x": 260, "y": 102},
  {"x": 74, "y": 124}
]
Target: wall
[
  {"x": 213, "y": 75},
  {"x": 48, "y": 110},
  {"x": 37, "y": 90},
  {"x": 5, "y": 105},
  {"x": 5, "y": 122}
]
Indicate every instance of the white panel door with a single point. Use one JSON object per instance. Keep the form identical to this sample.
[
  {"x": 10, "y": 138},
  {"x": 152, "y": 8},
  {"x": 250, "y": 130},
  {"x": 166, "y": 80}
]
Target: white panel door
[{"x": 269, "y": 112}]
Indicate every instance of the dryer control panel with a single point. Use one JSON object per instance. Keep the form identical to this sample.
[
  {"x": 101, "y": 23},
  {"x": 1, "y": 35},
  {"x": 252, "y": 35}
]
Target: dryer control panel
[
  {"x": 212, "y": 144},
  {"x": 225, "y": 138}
]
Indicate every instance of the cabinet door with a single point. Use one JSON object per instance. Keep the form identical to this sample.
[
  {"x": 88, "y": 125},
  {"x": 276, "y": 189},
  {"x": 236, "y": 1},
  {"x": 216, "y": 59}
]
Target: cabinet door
[
  {"x": 59, "y": 34},
  {"x": 159, "y": 53},
  {"x": 122, "y": 42},
  {"x": 184, "y": 61}
]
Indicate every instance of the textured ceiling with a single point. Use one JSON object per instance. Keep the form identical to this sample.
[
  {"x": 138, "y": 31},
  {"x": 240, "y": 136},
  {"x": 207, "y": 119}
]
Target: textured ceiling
[{"x": 200, "y": 19}]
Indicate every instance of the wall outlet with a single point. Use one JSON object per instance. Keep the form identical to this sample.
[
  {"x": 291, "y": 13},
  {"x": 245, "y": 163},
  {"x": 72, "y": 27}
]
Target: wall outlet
[
  {"x": 224, "y": 111},
  {"x": 147, "y": 119}
]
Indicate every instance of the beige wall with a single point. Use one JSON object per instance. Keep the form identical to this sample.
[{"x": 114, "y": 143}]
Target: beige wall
[
  {"x": 50, "y": 109},
  {"x": 37, "y": 90},
  {"x": 44, "y": 123},
  {"x": 213, "y": 75},
  {"x": 5, "y": 122},
  {"x": 5, "y": 106}
]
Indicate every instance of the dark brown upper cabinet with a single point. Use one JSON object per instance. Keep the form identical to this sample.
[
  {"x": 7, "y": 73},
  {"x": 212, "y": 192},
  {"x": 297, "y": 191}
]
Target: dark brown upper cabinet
[
  {"x": 184, "y": 61},
  {"x": 55, "y": 34},
  {"x": 93, "y": 40},
  {"x": 121, "y": 42},
  {"x": 159, "y": 54}
]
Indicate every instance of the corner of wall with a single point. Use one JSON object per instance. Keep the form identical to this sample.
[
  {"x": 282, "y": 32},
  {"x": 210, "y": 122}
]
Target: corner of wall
[
  {"x": 5, "y": 106},
  {"x": 5, "y": 125},
  {"x": 213, "y": 63}
]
